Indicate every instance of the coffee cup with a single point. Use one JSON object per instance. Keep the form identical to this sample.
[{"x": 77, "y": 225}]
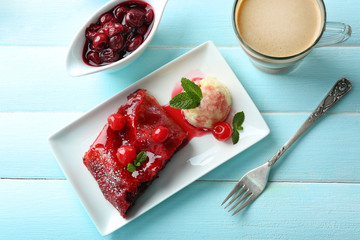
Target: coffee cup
[{"x": 277, "y": 34}]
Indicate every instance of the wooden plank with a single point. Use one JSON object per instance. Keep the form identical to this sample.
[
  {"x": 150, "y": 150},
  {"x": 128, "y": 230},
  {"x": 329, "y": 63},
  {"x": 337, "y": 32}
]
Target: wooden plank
[
  {"x": 204, "y": 20},
  {"x": 303, "y": 87},
  {"x": 328, "y": 153},
  {"x": 43, "y": 23},
  {"x": 324, "y": 154},
  {"x": 49, "y": 209},
  {"x": 33, "y": 88},
  {"x": 24, "y": 137}
]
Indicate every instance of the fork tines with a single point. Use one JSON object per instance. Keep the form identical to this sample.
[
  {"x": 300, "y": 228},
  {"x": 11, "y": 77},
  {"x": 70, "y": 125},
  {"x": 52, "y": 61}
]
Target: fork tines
[{"x": 246, "y": 197}]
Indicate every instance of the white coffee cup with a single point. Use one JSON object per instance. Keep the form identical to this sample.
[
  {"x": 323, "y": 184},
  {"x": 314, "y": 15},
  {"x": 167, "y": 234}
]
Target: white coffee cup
[{"x": 276, "y": 34}]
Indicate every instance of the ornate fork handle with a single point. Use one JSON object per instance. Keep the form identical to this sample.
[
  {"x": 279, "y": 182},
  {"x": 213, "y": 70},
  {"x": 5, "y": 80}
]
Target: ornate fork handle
[{"x": 339, "y": 90}]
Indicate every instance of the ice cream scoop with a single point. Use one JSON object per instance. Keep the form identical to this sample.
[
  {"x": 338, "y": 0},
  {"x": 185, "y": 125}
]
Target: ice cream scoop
[{"x": 214, "y": 106}]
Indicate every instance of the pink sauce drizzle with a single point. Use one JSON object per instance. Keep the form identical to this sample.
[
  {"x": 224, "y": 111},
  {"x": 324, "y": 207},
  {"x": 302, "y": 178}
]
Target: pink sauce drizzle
[{"x": 179, "y": 118}]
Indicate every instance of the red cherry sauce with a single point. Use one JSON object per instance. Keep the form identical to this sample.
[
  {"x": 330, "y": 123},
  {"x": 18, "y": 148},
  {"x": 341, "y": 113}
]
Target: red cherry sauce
[{"x": 117, "y": 33}]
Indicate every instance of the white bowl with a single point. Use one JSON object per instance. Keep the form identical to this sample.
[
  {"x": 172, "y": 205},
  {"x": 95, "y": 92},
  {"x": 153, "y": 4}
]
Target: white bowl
[{"x": 74, "y": 60}]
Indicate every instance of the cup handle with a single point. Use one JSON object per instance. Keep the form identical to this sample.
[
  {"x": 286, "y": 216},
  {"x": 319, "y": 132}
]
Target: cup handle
[{"x": 335, "y": 32}]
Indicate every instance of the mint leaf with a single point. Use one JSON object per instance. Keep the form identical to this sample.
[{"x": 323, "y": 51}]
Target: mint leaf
[
  {"x": 235, "y": 136},
  {"x": 238, "y": 120},
  {"x": 131, "y": 167},
  {"x": 183, "y": 101},
  {"x": 193, "y": 90},
  {"x": 140, "y": 158},
  {"x": 190, "y": 98}
]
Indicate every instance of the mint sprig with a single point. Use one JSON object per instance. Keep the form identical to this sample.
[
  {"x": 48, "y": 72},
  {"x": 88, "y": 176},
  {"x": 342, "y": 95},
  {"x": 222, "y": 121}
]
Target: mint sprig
[
  {"x": 140, "y": 158},
  {"x": 190, "y": 98},
  {"x": 193, "y": 90},
  {"x": 184, "y": 101},
  {"x": 131, "y": 167},
  {"x": 238, "y": 120}
]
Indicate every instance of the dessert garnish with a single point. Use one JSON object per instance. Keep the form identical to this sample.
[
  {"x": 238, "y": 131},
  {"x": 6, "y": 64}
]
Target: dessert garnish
[
  {"x": 126, "y": 154},
  {"x": 140, "y": 158},
  {"x": 190, "y": 98},
  {"x": 237, "y": 122},
  {"x": 222, "y": 131},
  {"x": 160, "y": 134},
  {"x": 116, "y": 121}
]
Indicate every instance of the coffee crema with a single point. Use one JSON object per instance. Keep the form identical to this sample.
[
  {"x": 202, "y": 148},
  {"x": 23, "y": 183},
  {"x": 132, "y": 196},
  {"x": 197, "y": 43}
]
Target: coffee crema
[{"x": 278, "y": 28}]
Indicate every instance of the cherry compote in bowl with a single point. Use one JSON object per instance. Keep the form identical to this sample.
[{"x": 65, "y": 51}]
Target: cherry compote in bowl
[{"x": 114, "y": 36}]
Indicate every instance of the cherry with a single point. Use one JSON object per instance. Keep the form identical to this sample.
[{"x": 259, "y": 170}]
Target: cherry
[
  {"x": 100, "y": 41},
  {"x": 116, "y": 121},
  {"x": 134, "y": 44},
  {"x": 117, "y": 33},
  {"x": 126, "y": 154},
  {"x": 90, "y": 35},
  {"x": 120, "y": 12},
  {"x": 94, "y": 57},
  {"x": 91, "y": 47},
  {"x": 160, "y": 134},
  {"x": 107, "y": 17},
  {"x": 116, "y": 42},
  {"x": 91, "y": 31},
  {"x": 134, "y": 17},
  {"x": 93, "y": 27},
  {"x": 130, "y": 37},
  {"x": 142, "y": 30},
  {"x": 111, "y": 29},
  {"x": 109, "y": 55},
  {"x": 149, "y": 16},
  {"x": 125, "y": 29},
  {"x": 222, "y": 131}
]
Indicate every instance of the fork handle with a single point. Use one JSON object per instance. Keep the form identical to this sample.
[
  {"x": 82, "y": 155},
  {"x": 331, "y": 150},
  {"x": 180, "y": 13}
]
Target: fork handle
[{"x": 338, "y": 91}]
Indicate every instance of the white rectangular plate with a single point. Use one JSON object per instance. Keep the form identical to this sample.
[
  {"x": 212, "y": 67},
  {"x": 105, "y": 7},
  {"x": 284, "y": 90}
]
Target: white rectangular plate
[{"x": 190, "y": 163}]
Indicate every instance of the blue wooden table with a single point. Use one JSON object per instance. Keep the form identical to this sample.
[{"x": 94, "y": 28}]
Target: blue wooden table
[{"x": 314, "y": 190}]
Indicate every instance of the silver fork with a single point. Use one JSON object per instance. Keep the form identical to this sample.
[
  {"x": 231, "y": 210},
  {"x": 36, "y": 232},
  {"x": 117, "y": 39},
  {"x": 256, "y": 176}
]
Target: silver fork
[{"x": 253, "y": 183}]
